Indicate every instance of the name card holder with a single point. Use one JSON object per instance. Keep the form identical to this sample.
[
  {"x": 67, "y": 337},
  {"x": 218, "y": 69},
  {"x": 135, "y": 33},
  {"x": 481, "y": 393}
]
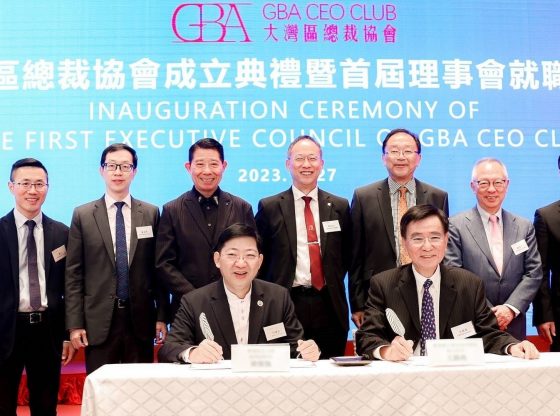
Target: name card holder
[
  {"x": 260, "y": 357},
  {"x": 453, "y": 352}
]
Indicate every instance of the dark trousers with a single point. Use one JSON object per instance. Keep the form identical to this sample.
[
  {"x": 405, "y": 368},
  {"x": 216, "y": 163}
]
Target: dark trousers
[
  {"x": 121, "y": 345},
  {"x": 320, "y": 323},
  {"x": 34, "y": 350}
]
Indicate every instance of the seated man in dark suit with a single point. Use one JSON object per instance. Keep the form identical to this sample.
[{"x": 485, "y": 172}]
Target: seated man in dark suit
[
  {"x": 448, "y": 297},
  {"x": 237, "y": 309}
]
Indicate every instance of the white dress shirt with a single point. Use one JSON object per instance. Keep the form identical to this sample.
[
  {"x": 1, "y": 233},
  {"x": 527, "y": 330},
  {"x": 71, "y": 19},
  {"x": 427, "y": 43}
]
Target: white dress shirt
[
  {"x": 112, "y": 215},
  {"x": 303, "y": 263},
  {"x": 434, "y": 291}
]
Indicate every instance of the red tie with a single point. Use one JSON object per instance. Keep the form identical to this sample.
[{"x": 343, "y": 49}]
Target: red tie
[{"x": 317, "y": 278}]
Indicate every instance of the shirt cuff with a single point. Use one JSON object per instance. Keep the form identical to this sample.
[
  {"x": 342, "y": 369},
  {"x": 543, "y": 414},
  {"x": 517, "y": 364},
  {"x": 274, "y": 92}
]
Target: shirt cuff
[
  {"x": 513, "y": 308},
  {"x": 377, "y": 354},
  {"x": 184, "y": 356},
  {"x": 506, "y": 349}
]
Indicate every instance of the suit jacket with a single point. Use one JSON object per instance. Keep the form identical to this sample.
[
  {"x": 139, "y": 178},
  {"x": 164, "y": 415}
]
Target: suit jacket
[
  {"x": 185, "y": 246},
  {"x": 546, "y": 305},
  {"x": 91, "y": 282},
  {"x": 55, "y": 234},
  {"x": 276, "y": 222},
  {"x": 521, "y": 275},
  {"x": 374, "y": 249},
  {"x": 270, "y": 304},
  {"x": 461, "y": 300}
]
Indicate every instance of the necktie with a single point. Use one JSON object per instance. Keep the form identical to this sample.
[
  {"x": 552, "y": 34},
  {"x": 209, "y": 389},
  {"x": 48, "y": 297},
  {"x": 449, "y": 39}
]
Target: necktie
[
  {"x": 403, "y": 207},
  {"x": 121, "y": 254},
  {"x": 428, "y": 321},
  {"x": 496, "y": 243},
  {"x": 317, "y": 277},
  {"x": 32, "y": 270}
]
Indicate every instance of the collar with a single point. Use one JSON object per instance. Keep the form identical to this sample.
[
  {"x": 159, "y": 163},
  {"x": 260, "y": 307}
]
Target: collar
[
  {"x": 110, "y": 201},
  {"x": 214, "y": 198},
  {"x": 485, "y": 216},
  {"x": 21, "y": 219},
  {"x": 435, "y": 278},
  {"x": 314, "y": 194},
  {"x": 394, "y": 186},
  {"x": 232, "y": 297}
]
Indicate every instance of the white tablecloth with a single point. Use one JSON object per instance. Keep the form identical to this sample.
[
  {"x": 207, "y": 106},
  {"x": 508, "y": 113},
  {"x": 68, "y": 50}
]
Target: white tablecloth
[{"x": 512, "y": 387}]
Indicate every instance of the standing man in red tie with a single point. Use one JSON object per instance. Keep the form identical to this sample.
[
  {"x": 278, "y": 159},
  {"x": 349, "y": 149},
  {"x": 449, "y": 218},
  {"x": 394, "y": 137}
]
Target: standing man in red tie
[
  {"x": 376, "y": 212},
  {"x": 115, "y": 307},
  {"x": 32, "y": 258},
  {"x": 306, "y": 234},
  {"x": 497, "y": 246}
]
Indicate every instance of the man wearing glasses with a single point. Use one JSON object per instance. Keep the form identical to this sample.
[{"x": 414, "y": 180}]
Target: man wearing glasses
[
  {"x": 306, "y": 234},
  {"x": 237, "y": 309},
  {"x": 32, "y": 258},
  {"x": 114, "y": 306},
  {"x": 497, "y": 246},
  {"x": 376, "y": 212},
  {"x": 430, "y": 300}
]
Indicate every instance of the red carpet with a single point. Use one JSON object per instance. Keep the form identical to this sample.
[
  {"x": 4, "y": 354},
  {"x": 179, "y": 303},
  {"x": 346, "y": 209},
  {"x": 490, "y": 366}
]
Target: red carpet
[{"x": 71, "y": 385}]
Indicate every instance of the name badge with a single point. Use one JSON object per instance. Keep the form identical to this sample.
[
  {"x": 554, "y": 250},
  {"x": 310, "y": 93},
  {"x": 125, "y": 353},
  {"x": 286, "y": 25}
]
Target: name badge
[
  {"x": 59, "y": 253},
  {"x": 463, "y": 331},
  {"x": 331, "y": 226},
  {"x": 260, "y": 357},
  {"x": 144, "y": 232},
  {"x": 275, "y": 331},
  {"x": 519, "y": 247},
  {"x": 455, "y": 351}
]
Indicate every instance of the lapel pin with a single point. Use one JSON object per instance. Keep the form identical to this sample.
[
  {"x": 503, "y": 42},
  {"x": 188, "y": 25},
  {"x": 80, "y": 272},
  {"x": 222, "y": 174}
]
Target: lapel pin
[
  {"x": 329, "y": 204},
  {"x": 260, "y": 303}
]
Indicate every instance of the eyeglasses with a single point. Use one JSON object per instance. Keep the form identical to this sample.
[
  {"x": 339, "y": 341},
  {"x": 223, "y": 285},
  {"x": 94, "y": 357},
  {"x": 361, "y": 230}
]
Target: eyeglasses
[
  {"x": 39, "y": 186},
  {"x": 395, "y": 154},
  {"x": 124, "y": 167},
  {"x": 232, "y": 258},
  {"x": 498, "y": 184},
  {"x": 420, "y": 241},
  {"x": 310, "y": 158}
]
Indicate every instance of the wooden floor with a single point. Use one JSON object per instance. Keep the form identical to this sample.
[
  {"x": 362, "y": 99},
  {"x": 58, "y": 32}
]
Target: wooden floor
[{"x": 62, "y": 410}]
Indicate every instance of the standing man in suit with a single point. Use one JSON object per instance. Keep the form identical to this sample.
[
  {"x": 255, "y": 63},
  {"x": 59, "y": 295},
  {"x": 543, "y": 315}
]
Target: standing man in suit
[
  {"x": 32, "y": 258},
  {"x": 430, "y": 299},
  {"x": 284, "y": 221},
  {"x": 377, "y": 209},
  {"x": 114, "y": 306},
  {"x": 191, "y": 224},
  {"x": 546, "y": 305},
  {"x": 238, "y": 309},
  {"x": 497, "y": 246}
]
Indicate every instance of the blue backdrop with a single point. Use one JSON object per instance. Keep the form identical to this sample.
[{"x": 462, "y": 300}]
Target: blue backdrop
[{"x": 473, "y": 78}]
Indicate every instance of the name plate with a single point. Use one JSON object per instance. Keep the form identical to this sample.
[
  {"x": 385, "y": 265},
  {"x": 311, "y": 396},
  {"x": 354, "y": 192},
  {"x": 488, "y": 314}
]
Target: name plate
[
  {"x": 455, "y": 351},
  {"x": 260, "y": 357}
]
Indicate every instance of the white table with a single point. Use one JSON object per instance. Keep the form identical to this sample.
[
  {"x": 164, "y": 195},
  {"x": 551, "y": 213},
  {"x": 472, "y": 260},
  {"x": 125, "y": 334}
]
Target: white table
[{"x": 512, "y": 387}]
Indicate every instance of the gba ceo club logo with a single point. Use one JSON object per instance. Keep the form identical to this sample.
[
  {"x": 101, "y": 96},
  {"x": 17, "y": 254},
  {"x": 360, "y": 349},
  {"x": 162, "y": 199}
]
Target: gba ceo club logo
[
  {"x": 312, "y": 22},
  {"x": 210, "y": 22}
]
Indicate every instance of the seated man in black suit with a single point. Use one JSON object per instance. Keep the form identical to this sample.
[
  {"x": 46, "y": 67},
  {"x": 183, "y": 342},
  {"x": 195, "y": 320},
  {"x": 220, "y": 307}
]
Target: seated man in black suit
[
  {"x": 448, "y": 297},
  {"x": 238, "y": 309}
]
